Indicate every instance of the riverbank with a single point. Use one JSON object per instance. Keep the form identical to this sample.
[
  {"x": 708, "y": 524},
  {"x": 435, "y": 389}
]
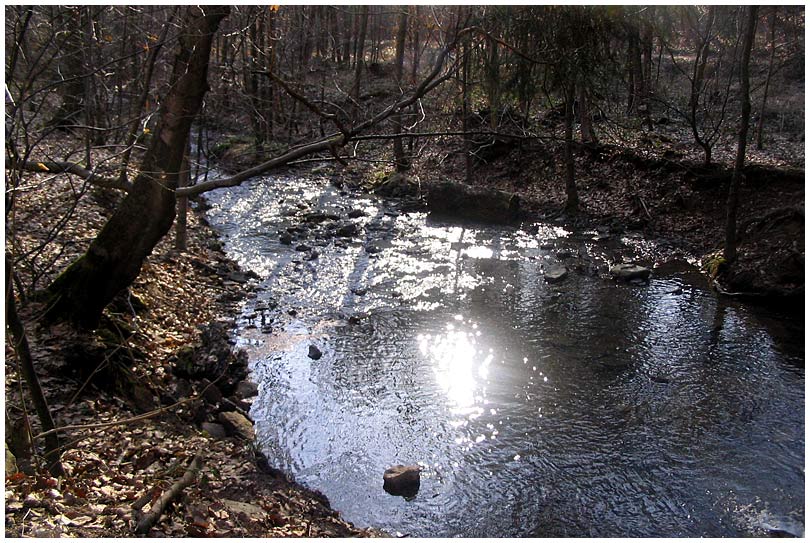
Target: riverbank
[{"x": 135, "y": 425}]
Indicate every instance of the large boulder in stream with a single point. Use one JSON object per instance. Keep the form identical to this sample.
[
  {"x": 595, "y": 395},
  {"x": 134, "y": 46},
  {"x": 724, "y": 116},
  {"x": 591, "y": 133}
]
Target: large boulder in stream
[
  {"x": 402, "y": 480},
  {"x": 237, "y": 425},
  {"x": 452, "y": 199},
  {"x": 629, "y": 272},
  {"x": 397, "y": 185}
]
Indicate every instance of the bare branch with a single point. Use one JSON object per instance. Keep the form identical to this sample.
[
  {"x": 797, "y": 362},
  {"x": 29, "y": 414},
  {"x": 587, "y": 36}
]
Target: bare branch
[
  {"x": 71, "y": 168},
  {"x": 148, "y": 520},
  {"x": 312, "y": 107}
]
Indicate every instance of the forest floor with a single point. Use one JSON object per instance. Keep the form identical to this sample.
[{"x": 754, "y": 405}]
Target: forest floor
[{"x": 133, "y": 425}]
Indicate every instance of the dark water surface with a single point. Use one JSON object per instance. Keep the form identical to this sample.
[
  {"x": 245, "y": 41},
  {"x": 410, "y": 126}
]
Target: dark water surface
[{"x": 584, "y": 408}]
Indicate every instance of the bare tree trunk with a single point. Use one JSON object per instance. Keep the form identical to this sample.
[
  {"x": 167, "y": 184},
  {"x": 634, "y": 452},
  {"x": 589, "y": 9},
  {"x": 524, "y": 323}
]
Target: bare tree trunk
[
  {"x": 698, "y": 74},
  {"x": 730, "y": 249},
  {"x": 493, "y": 84},
  {"x": 761, "y": 121},
  {"x": 71, "y": 69},
  {"x": 181, "y": 224},
  {"x": 360, "y": 54},
  {"x": 571, "y": 195},
  {"x": 116, "y": 255},
  {"x": 132, "y": 136},
  {"x": 465, "y": 111},
  {"x": 345, "y": 57},
  {"x": 415, "y": 54},
  {"x": 585, "y": 125},
  {"x": 636, "y": 84},
  {"x": 402, "y": 30},
  {"x": 415, "y": 45}
]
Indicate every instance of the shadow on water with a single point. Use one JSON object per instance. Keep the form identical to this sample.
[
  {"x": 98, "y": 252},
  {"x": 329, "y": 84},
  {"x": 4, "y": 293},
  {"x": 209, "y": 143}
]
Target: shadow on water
[{"x": 580, "y": 408}]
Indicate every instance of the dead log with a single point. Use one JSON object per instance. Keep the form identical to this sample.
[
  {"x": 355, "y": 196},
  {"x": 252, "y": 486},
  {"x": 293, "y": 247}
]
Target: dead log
[{"x": 147, "y": 521}]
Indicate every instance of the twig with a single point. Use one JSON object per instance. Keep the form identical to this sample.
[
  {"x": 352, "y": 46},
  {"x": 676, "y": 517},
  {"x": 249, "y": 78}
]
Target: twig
[
  {"x": 640, "y": 199},
  {"x": 301, "y": 98},
  {"x": 149, "y": 519}
]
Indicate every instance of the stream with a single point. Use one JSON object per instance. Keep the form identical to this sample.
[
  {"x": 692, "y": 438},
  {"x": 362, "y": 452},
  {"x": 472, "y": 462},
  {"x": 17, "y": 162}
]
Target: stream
[{"x": 581, "y": 408}]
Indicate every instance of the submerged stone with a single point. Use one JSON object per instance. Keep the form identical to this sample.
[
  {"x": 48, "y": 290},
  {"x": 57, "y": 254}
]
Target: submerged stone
[{"x": 347, "y": 230}]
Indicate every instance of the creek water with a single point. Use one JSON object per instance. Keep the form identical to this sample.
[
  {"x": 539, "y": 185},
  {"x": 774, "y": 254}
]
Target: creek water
[{"x": 580, "y": 408}]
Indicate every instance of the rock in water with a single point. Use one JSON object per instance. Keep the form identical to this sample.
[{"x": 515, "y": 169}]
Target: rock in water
[
  {"x": 347, "y": 230},
  {"x": 466, "y": 202},
  {"x": 555, "y": 274},
  {"x": 402, "y": 480},
  {"x": 314, "y": 352},
  {"x": 628, "y": 272},
  {"x": 397, "y": 185}
]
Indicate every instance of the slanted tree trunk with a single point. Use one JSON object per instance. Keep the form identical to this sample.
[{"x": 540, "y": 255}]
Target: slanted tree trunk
[
  {"x": 115, "y": 256},
  {"x": 19, "y": 343},
  {"x": 402, "y": 30},
  {"x": 730, "y": 249}
]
